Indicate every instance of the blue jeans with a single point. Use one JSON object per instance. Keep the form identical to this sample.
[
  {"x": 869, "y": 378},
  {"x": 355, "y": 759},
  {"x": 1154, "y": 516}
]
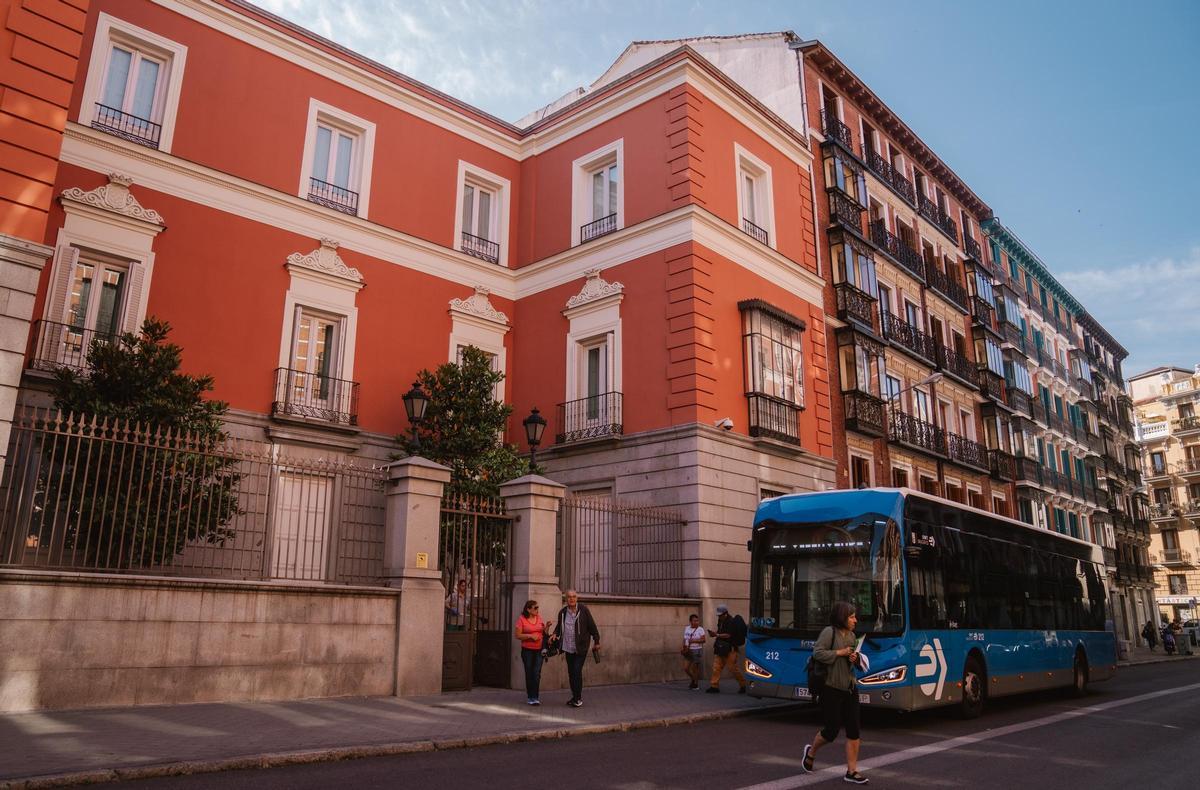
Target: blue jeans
[
  {"x": 575, "y": 662},
  {"x": 532, "y": 659}
]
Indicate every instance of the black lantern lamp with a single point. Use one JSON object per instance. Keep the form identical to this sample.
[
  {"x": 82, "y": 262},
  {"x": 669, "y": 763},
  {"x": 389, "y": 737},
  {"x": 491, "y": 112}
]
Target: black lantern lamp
[
  {"x": 535, "y": 425},
  {"x": 415, "y": 403}
]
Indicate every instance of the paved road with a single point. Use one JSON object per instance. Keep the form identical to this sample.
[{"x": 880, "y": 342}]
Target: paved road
[{"x": 1142, "y": 729}]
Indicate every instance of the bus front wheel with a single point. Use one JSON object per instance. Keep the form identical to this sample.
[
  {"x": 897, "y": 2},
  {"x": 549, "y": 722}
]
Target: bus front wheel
[{"x": 973, "y": 689}]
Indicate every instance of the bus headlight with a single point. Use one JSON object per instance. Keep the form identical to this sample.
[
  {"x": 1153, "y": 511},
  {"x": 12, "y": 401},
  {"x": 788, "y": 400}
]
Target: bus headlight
[
  {"x": 756, "y": 670},
  {"x": 893, "y": 675}
]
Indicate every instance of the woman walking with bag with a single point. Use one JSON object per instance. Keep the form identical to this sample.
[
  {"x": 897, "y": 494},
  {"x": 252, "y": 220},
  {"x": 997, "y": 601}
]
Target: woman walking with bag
[
  {"x": 835, "y": 648},
  {"x": 531, "y": 631}
]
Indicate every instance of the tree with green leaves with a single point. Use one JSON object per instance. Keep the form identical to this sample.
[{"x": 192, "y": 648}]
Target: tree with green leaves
[
  {"x": 144, "y": 474},
  {"x": 463, "y": 426}
]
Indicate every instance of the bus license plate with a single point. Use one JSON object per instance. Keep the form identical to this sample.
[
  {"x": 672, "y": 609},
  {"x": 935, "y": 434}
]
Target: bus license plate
[
  {"x": 864, "y": 699},
  {"x": 802, "y": 692}
]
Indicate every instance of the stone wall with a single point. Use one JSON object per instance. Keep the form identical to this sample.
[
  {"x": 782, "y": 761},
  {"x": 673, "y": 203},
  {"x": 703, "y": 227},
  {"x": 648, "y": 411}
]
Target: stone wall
[{"x": 74, "y": 640}]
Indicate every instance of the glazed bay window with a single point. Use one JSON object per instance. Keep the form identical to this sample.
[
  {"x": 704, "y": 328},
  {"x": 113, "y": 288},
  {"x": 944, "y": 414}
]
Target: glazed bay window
[
  {"x": 774, "y": 362},
  {"x": 854, "y": 278},
  {"x": 847, "y": 189},
  {"x": 861, "y": 364}
]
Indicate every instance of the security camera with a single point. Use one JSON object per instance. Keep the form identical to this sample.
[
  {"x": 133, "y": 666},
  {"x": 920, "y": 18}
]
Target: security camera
[{"x": 724, "y": 423}]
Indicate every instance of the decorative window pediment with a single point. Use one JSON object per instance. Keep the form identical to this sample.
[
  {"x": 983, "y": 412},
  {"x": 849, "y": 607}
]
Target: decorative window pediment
[
  {"x": 478, "y": 306},
  {"x": 325, "y": 261},
  {"x": 596, "y": 292},
  {"x": 113, "y": 198}
]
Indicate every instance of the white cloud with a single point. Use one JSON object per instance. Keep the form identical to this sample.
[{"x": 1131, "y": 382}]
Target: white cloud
[{"x": 1151, "y": 307}]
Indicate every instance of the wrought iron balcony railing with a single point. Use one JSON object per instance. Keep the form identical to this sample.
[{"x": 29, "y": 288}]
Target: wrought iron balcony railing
[
  {"x": 833, "y": 128},
  {"x": 332, "y": 196},
  {"x": 598, "y": 228},
  {"x": 1003, "y": 465},
  {"x": 972, "y": 248},
  {"x": 991, "y": 384},
  {"x": 1188, "y": 466},
  {"x": 981, "y": 310},
  {"x": 1019, "y": 400},
  {"x": 845, "y": 211},
  {"x": 126, "y": 126},
  {"x": 759, "y": 234},
  {"x": 916, "y": 433},
  {"x": 478, "y": 247},
  {"x": 56, "y": 345},
  {"x": 1163, "y": 510},
  {"x": 908, "y": 337},
  {"x": 957, "y": 365},
  {"x": 299, "y": 393},
  {"x": 595, "y": 417},
  {"x": 1176, "y": 557},
  {"x": 1158, "y": 470},
  {"x": 890, "y": 175},
  {"x": 865, "y": 413},
  {"x": 1185, "y": 424},
  {"x": 774, "y": 418},
  {"x": 947, "y": 287},
  {"x": 900, "y": 252},
  {"x": 855, "y": 304},
  {"x": 967, "y": 452},
  {"x": 1028, "y": 470}
]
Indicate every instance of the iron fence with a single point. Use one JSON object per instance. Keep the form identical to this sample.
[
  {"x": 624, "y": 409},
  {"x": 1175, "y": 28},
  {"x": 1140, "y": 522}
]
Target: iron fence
[
  {"x": 113, "y": 496},
  {"x": 608, "y": 547}
]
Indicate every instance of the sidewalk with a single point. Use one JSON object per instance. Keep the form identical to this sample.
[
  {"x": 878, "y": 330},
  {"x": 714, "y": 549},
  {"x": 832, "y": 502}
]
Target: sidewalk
[
  {"x": 1144, "y": 655},
  {"x": 56, "y": 748}
]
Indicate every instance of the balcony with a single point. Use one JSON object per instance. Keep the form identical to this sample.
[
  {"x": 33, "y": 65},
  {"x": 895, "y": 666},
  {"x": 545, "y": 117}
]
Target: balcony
[
  {"x": 312, "y": 396},
  {"x": 758, "y": 234},
  {"x": 1185, "y": 425},
  {"x": 1153, "y": 431},
  {"x": 58, "y": 345},
  {"x": 126, "y": 126},
  {"x": 481, "y": 248},
  {"x": 1163, "y": 510},
  {"x": 966, "y": 452},
  {"x": 1176, "y": 557},
  {"x": 333, "y": 196},
  {"x": 601, "y": 227},
  {"x": 833, "y": 129},
  {"x": 906, "y": 336},
  {"x": 1191, "y": 507},
  {"x": 981, "y": 311},
  {"x": 865, "y": 413},
  {"x": 1003, "y": 465},
  {"x": 1028, "y": 471},
  {"x": 890, "y": 176},
  {"x": 845, "y": 211},
  {"x": 1014, "y": 336},
  {"x": 1156, "y": 471},
  {"x": 932, "y": 212},
  {"x": 774, "y": 418},
  {"x": 594, "y": 417},
  {"x": 1019, "y": 400},
  {"x": 952, "y": 290},
  {"x": 855, "y": 304},
  {"x": 897, "y": 250},
  {"x": 1188, "y": 467},
  {"x": 972, "y": 248},
  {"x": 917, "y": 434},
  {"x": 957, "y": 365},
  {"x": 991, "y": 385}
]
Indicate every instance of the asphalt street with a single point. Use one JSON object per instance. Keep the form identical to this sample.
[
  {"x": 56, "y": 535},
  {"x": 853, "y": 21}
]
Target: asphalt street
[{"x": 1141, "y": 729}]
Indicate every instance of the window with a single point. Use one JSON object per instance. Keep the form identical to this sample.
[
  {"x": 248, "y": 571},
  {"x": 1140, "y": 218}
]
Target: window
[
  {"x": 1158, "y": 463},
  {"x": 338, "y": 151},
  {"x": 853, "y": 264},
  {"x": 912, "y": 314},
  {"x": 885, "y": 298},
  {"x": 133, "y": 82},
  {"x": 312, "y": 386},
  {"x": 774, "y": 362},
  {"x": 594, "y": 402},
  {"x": 861, "y": 363},
  {"x": 481, "y": 226},
  {"x": 843, "y": 173},
  {"x": 1177, "y": 584},
  {"x": 595, "y": 364},
  {"x": 892, "y": 392},
  {"x": 975, "y": 499},
  {"x": 756, "y": 204},
  {"x": 920, "y": 404},
  {"x": 899, "y": 477},
  {"x": 860, "y": 472},
  {"x": 1000, "y": 506},
  {"x": 598, "y": 192},
  {"x": 987, "y": 350}
]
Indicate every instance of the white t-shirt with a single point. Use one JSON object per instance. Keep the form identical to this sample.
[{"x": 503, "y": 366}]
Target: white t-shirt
[{"x": 696, "y": 633}]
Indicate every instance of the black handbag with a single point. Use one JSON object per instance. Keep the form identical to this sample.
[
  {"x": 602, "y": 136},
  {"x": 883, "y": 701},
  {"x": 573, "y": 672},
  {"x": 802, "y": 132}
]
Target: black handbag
[{"x": 818, "y": 674}]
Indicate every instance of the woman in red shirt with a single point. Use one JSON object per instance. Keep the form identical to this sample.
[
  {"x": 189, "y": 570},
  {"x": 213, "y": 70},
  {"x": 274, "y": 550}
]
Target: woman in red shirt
[{"x": 531, "y": 631}]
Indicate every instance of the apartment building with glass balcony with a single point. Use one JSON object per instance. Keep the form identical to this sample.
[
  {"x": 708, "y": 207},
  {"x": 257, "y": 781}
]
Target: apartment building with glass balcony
[
  {"x": 1166, "y": 403},
  {"x": 1076, "y": 461},
  {"x": 919, "y": 387}
]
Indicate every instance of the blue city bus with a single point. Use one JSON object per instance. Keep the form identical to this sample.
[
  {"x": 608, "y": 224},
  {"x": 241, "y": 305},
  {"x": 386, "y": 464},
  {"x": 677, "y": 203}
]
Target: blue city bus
[{"x": 955, "y": 604}]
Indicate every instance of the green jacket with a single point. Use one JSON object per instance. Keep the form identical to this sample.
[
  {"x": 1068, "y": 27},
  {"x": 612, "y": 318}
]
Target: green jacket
[{"x": 841, "y": 673}]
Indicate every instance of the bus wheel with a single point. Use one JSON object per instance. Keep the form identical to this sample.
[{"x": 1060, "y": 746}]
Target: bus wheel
[
  {"x": 973, "y": 689},
  {"x": 1079, "y": 674}
]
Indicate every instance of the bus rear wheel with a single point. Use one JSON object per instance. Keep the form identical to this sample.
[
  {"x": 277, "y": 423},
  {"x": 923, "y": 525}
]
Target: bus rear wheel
[
  {"x": 1079, "y": 675},
  {"x": 973, "y": 689}
]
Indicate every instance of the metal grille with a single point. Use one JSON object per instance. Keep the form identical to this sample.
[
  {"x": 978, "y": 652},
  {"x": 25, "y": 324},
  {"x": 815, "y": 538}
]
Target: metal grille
[
  {"x": 599, "y": 228},
  {"x": 108, "y": 495},
  {"x": 607, "y": 547},
  {"x": 333, "y": 196},
  {"x": 313, "y": 396},
  {"x": 57, "y": 345},
  {"x": 127, "y": 126},
  {"x": 479, "y": 247}
]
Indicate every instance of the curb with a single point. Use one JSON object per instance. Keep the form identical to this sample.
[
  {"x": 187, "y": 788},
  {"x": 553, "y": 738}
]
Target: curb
[
  {"x": 338, "y": 753},
  {"x": 1160, "y": 660}
]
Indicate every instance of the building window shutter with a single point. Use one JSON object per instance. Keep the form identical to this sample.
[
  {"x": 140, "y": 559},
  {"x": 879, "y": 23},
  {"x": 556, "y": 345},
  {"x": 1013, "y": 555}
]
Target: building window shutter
[
  {"x": 133, "y": 298},
  {"x": 65, "y": 258}
]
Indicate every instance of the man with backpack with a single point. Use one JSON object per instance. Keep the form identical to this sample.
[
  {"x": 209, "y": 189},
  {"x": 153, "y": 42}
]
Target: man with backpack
[{"x": 730, "y": 637}]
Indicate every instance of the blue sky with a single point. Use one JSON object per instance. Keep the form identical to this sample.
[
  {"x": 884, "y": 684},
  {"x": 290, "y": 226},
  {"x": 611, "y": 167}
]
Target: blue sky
[{"x": 1077, "y": 122}]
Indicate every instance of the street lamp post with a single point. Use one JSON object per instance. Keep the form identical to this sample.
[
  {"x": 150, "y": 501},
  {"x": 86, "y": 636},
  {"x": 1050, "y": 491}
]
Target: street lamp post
[
  {"x": 535, "y": 425},
  {"x": 415, "y": 403}
]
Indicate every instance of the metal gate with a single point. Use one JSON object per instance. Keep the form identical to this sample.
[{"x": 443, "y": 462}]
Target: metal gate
[{"x": 474, "y": 550}]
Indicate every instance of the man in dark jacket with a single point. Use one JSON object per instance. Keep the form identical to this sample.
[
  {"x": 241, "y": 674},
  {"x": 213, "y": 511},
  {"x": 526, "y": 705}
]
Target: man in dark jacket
[
  {"x": 730, "y": 636},
  {"x": 574, "y": 630}
]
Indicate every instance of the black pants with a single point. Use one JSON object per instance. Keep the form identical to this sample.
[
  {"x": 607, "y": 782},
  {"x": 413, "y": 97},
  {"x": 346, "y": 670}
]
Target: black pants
[
  {"x": 575, "y": 663},
  {"x": 532, "y": 659},
  {"x": 839, "y": 710}
]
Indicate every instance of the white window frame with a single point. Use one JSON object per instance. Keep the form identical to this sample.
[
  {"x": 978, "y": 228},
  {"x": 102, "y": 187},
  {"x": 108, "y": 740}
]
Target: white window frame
[
  {"x": 364, "y": 150},
  {"x": 500, "y": 220},
  {"x": 480, "y": 327},
  {"x": 746, "y": 165},
  {"x": 332, "y": 296},
  {"x": 870, "y": 462},
  {"x": 581, "y": 186},
  {"x": 907, "y": 469},
  {"x": 110, "y": 31},
  {"x": 590, "y": 322}
]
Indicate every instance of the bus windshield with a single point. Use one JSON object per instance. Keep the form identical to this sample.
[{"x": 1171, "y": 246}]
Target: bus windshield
[{"x": 803, "y": 569}]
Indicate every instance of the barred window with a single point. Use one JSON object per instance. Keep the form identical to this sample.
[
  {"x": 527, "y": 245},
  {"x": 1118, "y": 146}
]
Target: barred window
[{"x": 774, "y": 354}]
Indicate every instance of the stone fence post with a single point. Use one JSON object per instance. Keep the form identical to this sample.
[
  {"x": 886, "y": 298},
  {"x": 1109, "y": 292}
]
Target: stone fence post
[
  {"x": 21, "y": 265},
  {"x": 533, "y": 502},
  {"x": 410, "y": 564}
]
